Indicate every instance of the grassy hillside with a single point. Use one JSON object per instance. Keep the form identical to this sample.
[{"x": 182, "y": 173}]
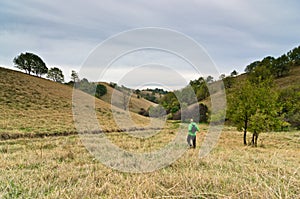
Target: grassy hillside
[
  {"x": 29, "y": 104},
  {"x": 61, "y": 167},
  {"x": 293, "y": 79},
  {"x": 135, "y": 103}
]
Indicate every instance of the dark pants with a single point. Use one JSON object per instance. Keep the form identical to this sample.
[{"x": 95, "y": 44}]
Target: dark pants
[{"x": 193, "y": 138}]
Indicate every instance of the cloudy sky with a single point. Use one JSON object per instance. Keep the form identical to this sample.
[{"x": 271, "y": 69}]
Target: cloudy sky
[{"x": 234, "y": 33}]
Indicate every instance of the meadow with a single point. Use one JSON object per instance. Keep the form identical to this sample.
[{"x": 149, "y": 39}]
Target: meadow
[{"x": 61, "y": 167}]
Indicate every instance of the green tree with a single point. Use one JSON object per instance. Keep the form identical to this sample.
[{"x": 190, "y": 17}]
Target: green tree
[
  {"x": 294, "y": 56},
  {"x": 30, "y": 63},
  {"x": 222, "y": 76},
  {"x": 260, "y": 74},
  {"x": 100, "y": 90},
  {"x": 281, "y": 66},
  {"x": 266, "y": 116},
  {"x": 200, "y": 88},
  {"x": 241, "y": 107},
  {"x": 228, "y": 81},
  {"x": 268, "y": 62},
  {"x": 170, "y": 102},
  {"x": 86, "y": 86},
  {"x": 209, "y": 79},
  {"x": 234, "y": 73},
  {"x": 74, "y": 76},
  {"x": 252, "y": 66},
  {"x": 253, "y": 107},
  {"x": 55, "y": 74},
  {"x": 289, "y": 100}
]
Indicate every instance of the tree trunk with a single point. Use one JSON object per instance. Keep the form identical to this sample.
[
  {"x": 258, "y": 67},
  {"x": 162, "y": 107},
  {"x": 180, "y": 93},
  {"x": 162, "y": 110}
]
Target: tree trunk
[
  {"x": 245, "y": 130},
  {"x": 254, "y": 139},
  {"x": 245, "y": 137}
]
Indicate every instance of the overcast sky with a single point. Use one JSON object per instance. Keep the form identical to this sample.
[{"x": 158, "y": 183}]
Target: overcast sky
[{"x": 234, "y": 33}]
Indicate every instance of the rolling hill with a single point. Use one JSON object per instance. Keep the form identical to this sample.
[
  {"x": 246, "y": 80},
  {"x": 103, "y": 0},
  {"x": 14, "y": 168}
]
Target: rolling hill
[
  {"x": 33, "y": 105},
  {"x": 135, "y": 103}
]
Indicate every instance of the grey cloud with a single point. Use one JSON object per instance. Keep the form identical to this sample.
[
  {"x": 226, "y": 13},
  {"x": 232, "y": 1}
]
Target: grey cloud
[{"x": 233, "y": 32}]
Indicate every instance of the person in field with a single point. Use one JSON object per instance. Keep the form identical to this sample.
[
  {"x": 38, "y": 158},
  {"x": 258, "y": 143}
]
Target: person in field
[{"x": 192, "y": 130}]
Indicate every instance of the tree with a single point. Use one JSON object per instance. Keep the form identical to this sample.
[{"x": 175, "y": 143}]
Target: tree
[
  {"x": 260, "y": 74},
  {"x": 234, "y": 73},
  {"x": 200, "y": 88},
  {"x": 281, "y": 66},
  {"x": 222, "y": 76},
  {"x": 30, "y": 63},
  {"x": 294, "y": 56},
  {"x": 240, "y": 108},
  {"x": 268, "y": 62},
  {"x": 252, "y": 66},
  {"x": 56, "y": 75},
  {"x": 289, "y": 99},
  {"x": 266, "y": 116},
  {"x": 170, "y": 102},
  {"x": 74, "y": 76},
  {"x": 209, "y": 79},
  {"x": 253, "y": 107},
  {"x": 100, "y": 90},
  {"x": 228, "y": 82},
  {"x": 86, "y": 86}
]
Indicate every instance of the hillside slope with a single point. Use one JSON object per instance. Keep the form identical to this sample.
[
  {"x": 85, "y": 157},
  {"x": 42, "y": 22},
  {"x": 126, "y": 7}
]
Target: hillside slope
[
  {"x": 135, "y": 103},
  {"x": 29, "y": 104}
]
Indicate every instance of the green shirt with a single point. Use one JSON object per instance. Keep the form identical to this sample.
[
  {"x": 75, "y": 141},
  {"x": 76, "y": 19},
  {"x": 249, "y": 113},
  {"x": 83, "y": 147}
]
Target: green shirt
[{"x": 190, "y": 128}]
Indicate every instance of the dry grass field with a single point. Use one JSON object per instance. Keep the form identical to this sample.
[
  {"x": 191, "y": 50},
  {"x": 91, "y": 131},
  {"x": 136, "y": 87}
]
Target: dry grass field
[
  {"x": 29, "y": 104},
  {"x": 61, "y": 167}
]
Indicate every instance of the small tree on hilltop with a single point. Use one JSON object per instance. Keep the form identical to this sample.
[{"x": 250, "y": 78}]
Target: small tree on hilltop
[
  {"x": 234, "y": 73},
  {"x": 30, "y": 63},
  {"x": 56, "y": 75},
  {"x": 74, "y": 76},
  {"x": 100, "y": 90}
]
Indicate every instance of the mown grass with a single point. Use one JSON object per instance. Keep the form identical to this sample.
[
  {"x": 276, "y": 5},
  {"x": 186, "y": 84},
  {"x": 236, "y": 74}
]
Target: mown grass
[
  {"x": 30, "y": 104},
  {"x": 61, "y": 167}
]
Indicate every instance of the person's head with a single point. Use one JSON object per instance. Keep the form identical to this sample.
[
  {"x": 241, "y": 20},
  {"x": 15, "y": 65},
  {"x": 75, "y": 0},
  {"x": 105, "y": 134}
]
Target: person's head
[{"x": 191, "y": 120}]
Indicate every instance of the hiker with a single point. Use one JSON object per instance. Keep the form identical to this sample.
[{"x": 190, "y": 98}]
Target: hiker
[{"x": 193, "y": 128}]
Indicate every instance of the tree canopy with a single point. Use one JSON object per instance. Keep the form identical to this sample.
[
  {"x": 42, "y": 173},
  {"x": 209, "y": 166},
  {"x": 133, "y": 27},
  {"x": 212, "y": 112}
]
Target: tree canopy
[
  {"x": 30, "y": 63},
  {"x": 100, "y": 90},
  {"x": 279, "y": 66},
  {"x": 56, "y": 75},
  {"x": 253, "y": 107}
]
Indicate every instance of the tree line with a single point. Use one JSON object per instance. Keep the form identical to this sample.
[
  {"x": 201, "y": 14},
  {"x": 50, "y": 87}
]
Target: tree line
[
  {"x": 32, "y": 63},
  {"x": 277, "y": 67}
]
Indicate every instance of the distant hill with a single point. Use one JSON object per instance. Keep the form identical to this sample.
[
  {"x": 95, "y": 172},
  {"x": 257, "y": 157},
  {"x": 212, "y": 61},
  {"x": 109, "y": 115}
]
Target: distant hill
[
  {"x": 30, "y": 104},
  {"x": 135, "y": 103},
  {"x": 292, "y": 79}
]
